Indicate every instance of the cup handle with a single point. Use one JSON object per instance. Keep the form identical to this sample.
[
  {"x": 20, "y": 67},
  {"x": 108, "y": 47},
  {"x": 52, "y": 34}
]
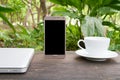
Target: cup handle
[{"x": 79, "y": 45}]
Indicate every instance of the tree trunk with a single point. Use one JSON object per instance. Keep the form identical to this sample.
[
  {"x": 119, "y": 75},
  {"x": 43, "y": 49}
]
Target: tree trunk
[
  {"x": 38, "y": 14},
  {"x": 26, "y": 17},
  {"x": 43, "y": 6},
  {"x": 32, "y": 15},
  {"x": 29, "y": 12}
]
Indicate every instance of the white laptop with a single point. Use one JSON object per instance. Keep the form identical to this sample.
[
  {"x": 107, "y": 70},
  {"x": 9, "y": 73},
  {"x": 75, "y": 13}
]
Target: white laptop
[{"x": 15, "y": 60}]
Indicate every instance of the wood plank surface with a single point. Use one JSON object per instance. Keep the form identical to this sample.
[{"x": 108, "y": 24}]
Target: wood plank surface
[{"x": 72, "y": 67}]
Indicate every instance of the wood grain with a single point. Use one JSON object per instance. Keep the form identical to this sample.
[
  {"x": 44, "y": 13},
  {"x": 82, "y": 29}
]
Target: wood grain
[{"x": 72, "y": 67}]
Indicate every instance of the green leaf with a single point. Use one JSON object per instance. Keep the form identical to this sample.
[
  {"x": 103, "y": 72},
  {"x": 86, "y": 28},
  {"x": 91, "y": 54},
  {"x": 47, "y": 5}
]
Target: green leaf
[
  {"x": 110, "y": 24},
  {"x": 115, "y": 6},
  {"x": 5, "y": 9},
  {"x": 107, "y": 2},
  {"x": 59, "y": 8},
  {"x": 6, "y": 20},
  {"x": 24, "y": 30},
  {"x": 4, "y": 36},
  {"x": 67, "y": 13},
  {"x": 92, "y": 3},
  {"x": 61, "y": 11},
  {"x": 115, "y": 1},
  {"x": 106, "y": 10},
  {"x": 61, "y": 2},
  {"x": 73, "y": 3},
  {"x": 73, "y": 34}
]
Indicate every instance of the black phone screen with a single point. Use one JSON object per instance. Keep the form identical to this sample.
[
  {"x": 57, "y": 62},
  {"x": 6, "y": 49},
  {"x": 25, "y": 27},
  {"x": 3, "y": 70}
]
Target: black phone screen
[{"x": 54, "y": 37}]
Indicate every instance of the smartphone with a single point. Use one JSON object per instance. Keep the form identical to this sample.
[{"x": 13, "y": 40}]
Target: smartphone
[{"x": 54, "y": 36}]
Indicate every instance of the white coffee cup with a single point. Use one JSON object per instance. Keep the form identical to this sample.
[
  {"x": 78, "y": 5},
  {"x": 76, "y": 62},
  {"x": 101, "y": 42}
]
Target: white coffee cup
[{"x": 95, "y": 45}]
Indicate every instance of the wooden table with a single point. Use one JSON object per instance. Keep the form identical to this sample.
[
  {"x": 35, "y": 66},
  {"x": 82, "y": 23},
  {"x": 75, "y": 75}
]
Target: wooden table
[{"x": 72, "y": 67}]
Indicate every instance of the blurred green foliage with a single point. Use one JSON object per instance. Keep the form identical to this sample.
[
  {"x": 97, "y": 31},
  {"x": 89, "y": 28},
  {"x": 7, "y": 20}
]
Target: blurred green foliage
[
  {"x": 95, "y": 17},
  {"x": 92, "y": 18},
  {"x": 31, "y": 38}
]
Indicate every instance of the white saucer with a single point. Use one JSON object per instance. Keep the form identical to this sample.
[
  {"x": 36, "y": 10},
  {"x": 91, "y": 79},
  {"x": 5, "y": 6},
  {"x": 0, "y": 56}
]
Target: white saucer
[{"x": 102, "y": 57}]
